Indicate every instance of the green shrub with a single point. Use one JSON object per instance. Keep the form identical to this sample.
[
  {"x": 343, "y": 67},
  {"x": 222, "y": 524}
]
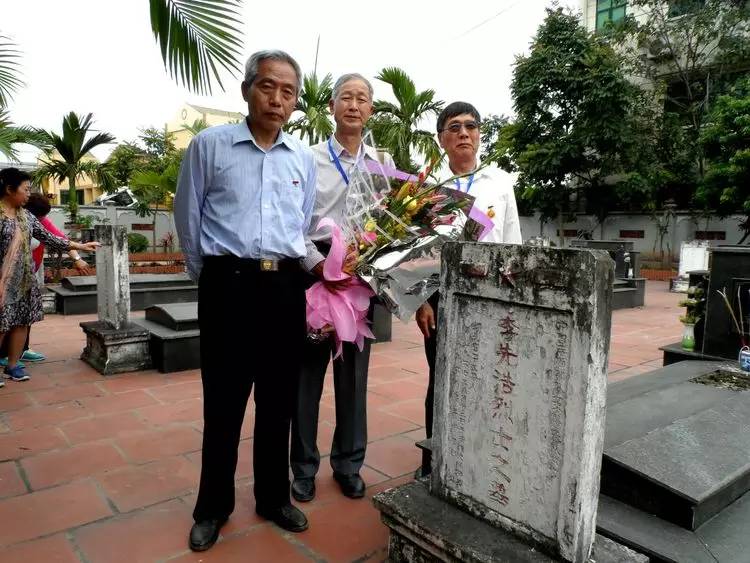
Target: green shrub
[{"x": 137, "y": 243}]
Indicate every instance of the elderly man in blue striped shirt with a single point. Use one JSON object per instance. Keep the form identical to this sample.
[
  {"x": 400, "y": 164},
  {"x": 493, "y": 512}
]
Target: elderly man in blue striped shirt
[{"x": 243, "y": 206}]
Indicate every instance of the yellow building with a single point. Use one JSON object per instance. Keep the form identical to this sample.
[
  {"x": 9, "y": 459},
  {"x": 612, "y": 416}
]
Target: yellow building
[
  {"x": 86, "y": 190},
  {"x": 189, "y": 114}
]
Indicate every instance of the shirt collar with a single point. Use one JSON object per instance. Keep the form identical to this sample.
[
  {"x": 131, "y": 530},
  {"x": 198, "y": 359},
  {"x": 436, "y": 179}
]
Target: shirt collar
[
  {"x": 370, "y": 152},
  {"x": 242, "y": 134}
]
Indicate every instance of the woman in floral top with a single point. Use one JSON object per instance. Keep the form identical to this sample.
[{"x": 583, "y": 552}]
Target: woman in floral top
[{"x": 20, "y": 298}]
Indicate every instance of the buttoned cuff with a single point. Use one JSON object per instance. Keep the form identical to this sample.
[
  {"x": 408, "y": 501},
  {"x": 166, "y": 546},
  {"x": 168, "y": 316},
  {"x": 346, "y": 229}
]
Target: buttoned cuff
[{"x": 313, "y": 258}]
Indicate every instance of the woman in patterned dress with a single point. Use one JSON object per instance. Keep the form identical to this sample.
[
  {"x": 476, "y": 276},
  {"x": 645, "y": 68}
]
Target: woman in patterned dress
[{"x": 20, "y": 298}]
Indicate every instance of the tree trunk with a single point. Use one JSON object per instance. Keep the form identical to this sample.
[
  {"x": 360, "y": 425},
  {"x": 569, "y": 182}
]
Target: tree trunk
[
  {"x": 153, "y": 227},
  {"x": 72, "y": 198}
]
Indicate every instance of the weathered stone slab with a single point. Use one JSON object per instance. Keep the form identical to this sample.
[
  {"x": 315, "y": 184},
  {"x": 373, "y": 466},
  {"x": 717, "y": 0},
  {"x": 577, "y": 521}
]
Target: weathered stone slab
[
  {"x": 175, "y": 316},
  {"x": 111, "y": 351},
  {"x": 689, "y": 469},
  {"x": 425, "y": 529},
  {"x": 521, "y": 386},
  {"x": 82, "y": 284},
  {"x": 113, "y": 287}
]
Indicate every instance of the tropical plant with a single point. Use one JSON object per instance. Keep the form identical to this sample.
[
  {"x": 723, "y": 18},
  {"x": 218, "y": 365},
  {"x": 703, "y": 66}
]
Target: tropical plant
[
  {"x": 10, "y": 80},
  {"x": 68, "y": 156},
  {"x": 574, "y": 130},
  {"x": 11, "y": 135},
  {"x": 490, "y": 130},
  {"x": 196, "y": 37},
  {"x": 157, "y": 142},
  {"x": 196, "y": 127},
  {"x": 692, "y": 50},
  {"x": 125, "y": 160},
  {"x": 155, "y": 189},
  {"x": 395, "y": 126},
  {"x": 315, "y": 121},
  {"x": 726, "y": 145}
]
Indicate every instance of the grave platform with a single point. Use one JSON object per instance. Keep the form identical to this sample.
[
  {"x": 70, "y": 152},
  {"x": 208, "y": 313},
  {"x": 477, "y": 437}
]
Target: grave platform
[
  {"x": 77, "y": 295},
  {"x": 674, "y": 353},
  {"x": 174, "y": 336},
  {"x": 424, "y": 528},
  {"x": 628, "y": 293},
  {"x": 676, "y": 470}
]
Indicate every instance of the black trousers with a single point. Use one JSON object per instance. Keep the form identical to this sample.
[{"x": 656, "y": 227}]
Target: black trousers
[
  {"x": 261, "y": 317},
  {"x": 350, "y": 387},
  {"x": 430, "y": 350}
]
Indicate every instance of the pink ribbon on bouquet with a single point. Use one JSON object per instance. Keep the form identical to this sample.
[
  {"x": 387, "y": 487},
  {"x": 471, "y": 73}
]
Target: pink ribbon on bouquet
[
  {"x": 376, "y": 167},
  {"x": 483, "y": 219},
  {"x": 343, "y": 309}
]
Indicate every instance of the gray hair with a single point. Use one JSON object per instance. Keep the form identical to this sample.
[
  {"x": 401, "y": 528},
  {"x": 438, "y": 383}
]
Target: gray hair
[
  {"x": 344, "y": 78},
  {"x": 252, "y": 64}
]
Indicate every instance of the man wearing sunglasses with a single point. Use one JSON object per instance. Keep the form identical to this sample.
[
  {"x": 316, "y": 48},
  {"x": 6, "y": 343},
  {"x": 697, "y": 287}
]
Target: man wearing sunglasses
[{"x": 458, "y": 134}]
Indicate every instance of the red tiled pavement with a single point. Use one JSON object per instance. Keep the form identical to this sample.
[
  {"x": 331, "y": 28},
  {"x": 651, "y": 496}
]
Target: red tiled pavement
[{"x": 104, "y": 470}]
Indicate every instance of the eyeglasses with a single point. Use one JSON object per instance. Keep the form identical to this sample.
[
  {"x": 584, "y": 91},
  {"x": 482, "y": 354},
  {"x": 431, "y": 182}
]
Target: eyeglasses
[{"x": 456, "y": 127}]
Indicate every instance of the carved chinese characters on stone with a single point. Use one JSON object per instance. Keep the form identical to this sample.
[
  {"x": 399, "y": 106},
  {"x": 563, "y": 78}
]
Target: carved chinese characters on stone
[
  {"x": 507, "y": 407},
  {"x": 520, "y": 390}
]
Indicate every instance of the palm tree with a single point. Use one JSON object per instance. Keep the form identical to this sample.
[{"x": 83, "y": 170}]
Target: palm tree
[
  {"x": 153, "y": 188},
  {"x": 315, "y": 122},
  {"x": 11, "y": 135},
  {"x": 196, "y": 37},
  {"x": 9, "y": 70},
  {"x": 197, "y": 126},
  {"x": 395, "y": 126},
  {"x": 66, "y": 156}
]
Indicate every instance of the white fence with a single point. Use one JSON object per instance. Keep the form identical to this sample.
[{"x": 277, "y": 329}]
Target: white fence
[{"x": 642, "y": 230}]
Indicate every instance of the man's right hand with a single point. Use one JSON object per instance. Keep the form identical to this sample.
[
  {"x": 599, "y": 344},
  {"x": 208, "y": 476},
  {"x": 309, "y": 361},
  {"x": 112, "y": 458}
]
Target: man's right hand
[
  {"x": 330, "y": 284},
  {"x": 426, "y": 319}
]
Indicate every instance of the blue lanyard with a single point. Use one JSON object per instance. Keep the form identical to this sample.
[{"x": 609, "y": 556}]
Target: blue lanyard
[
  {"x": 337, "y": 162},
  {"x": 468, "y": 184}
]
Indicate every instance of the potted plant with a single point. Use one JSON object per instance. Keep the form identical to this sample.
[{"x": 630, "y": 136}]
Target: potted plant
[
  {"x": 695, "y": 306},
  {"x": 167, "y": 242}
]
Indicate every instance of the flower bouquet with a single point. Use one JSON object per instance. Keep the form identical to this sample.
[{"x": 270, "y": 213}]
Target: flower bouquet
[{"x": 389, "y": 244}]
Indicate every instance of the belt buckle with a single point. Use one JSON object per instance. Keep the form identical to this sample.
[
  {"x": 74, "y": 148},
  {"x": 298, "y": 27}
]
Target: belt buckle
[{"x": 269, "y": 265}]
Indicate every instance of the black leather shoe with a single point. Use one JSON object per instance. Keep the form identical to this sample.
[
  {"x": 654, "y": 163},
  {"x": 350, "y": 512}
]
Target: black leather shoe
[
  {"x": 204, "y": 534},
  {"x": 288, "y": 517},
  {"x": 351, "y": 485},
  {"x": 303, "y": 490}
]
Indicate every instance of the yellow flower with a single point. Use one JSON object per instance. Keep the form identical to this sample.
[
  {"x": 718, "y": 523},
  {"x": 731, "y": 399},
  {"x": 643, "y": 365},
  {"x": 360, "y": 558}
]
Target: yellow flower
[{"x": 403, "y": 191}]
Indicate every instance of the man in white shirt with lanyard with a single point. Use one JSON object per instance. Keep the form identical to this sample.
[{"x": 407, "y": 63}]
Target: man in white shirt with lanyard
[
  {"x": 351, "y": 105},
  {"x": 458, "y": 134}
]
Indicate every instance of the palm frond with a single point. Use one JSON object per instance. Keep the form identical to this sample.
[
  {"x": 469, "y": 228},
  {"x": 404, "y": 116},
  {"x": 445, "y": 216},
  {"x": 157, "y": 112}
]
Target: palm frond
[
  {"x": 196, "y": 127},
  {"x": 197, "y": 36},
  {"x": 10, "y": 80},
  {"x": 11, "y": 135}
]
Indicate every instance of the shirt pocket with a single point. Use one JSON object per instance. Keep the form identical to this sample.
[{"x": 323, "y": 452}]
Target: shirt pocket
[{"x": 291, "y": 200}]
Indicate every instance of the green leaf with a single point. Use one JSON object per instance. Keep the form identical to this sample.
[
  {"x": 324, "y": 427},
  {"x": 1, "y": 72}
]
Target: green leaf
[
  {"x": 10, "y": 81},
  {"x": 196, "y": 37}
]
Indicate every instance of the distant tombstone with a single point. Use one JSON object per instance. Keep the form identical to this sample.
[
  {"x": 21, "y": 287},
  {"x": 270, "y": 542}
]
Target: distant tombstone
[
  {"x": 693, "y": 256},
  {"x": 113, "y": 343},
  {"x": 521, "y": 388}
]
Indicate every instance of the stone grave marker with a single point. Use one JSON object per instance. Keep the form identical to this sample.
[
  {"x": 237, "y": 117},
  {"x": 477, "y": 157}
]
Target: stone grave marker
[
  {"x": 520, "y": 390},
  {"x": 113, "y": 343}
]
